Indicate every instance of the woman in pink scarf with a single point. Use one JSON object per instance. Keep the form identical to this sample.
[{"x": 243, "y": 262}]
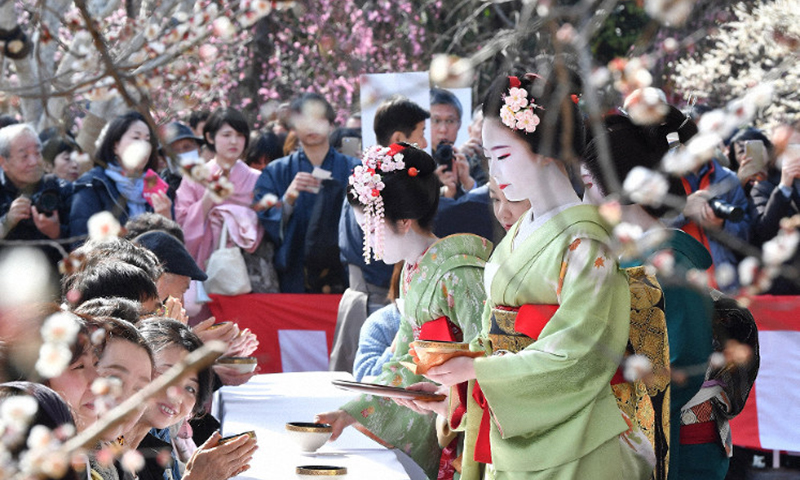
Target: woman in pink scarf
[{"x": 226, "y": 133}]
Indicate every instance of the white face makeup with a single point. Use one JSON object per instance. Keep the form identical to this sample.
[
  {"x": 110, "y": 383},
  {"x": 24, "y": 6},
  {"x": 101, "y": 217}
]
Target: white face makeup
[
  {"x": 511, "y": 163},
  {"x": 393, "y": 242}
]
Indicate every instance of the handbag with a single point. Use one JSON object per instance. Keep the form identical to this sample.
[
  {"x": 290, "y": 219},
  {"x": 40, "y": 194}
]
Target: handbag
[{"x": 226, "y": 269}]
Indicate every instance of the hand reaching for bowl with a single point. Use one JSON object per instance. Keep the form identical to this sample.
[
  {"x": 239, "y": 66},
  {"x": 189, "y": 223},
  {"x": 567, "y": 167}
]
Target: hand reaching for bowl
[{"x": 338, "y": 419}]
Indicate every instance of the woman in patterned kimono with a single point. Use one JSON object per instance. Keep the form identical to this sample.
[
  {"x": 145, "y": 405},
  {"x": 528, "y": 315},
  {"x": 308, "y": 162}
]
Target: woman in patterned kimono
[
  {"x": 396, "y": 194},
  {"x": 540, "y": 404}
]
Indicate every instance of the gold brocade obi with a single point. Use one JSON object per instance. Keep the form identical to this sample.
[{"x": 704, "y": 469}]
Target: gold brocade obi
[{"x": 514, "y": 328}]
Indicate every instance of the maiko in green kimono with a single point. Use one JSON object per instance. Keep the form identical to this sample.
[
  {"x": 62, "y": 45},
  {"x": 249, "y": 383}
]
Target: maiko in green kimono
[
  {"x": 540, "y": 405},
  {"x": 442, "y": 291}
]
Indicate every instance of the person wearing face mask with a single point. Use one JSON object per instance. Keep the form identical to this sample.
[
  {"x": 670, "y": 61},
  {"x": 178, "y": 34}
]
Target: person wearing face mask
[
  {"x": 297, "y": 181},
  {"x": 126, "y": 151}
]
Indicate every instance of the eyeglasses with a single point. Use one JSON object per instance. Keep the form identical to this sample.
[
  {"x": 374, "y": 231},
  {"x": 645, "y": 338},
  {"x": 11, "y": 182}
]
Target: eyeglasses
[{"x": 444, "y": 121}]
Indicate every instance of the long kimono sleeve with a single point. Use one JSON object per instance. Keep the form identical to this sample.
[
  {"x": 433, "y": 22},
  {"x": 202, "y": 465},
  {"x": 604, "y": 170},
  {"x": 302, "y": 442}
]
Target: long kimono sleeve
[
  {"x": 191, "y": 211},
  {"x": 398, "y": 426},
  {"x": 558, "y": 388}
]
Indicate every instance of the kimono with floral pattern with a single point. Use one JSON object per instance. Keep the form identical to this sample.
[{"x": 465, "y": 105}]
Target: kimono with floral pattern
[
  {"x": 551, "y": 403},
  {"x": 447, "y": 282}
]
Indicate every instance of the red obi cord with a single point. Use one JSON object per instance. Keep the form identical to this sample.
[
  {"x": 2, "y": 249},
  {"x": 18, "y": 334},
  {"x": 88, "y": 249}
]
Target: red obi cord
[{"x": 531, "y": 320}]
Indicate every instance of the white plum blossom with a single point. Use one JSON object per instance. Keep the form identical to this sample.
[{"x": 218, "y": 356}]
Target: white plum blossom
[
  {"x": 132, "y": 461},
  {"x": 40, "y": 437},
  {"x": 450, "y": 71},
  {"x": 103, "y": 225},
  {"x": 669, "y": 12},
  {"x": 725, "y": 275},
  {"x": 53, "y": 359},
  {"x": 223, "y": 28},
  {"x": 646, "y": 106},
  {"x": 637, "y": 367},
  {"x": 645, "y": 186},
  {"x": 60, "y": 327},
  {"x": 748, "y": 269},
  {"x": 24, "y": 277},
  {"x": 18, "y": 410},
  {"x": 135, "y": 155},
  {"x": 781, "y": 248}
]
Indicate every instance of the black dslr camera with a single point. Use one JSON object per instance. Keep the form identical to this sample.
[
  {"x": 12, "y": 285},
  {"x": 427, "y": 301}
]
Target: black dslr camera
[
  {"x": 444, "y": 155},
  {"x": 726, "y": 210},
  {"x": 47, "y": 201}
]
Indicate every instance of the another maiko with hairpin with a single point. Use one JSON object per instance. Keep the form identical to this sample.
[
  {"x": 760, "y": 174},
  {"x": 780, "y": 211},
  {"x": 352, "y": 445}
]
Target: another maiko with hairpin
[
  {"x": 540, "y": 404},
  {"x": 395, "y": 193}
]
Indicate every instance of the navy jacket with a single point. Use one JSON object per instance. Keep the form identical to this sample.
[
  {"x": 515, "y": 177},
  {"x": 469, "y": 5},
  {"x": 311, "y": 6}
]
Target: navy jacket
[
  {"x": 94, "y": 192},
  {"x": 289, "y": 237}
]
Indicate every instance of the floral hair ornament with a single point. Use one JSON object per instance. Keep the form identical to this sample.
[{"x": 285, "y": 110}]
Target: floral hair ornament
[
  {"x": 367, "y": 183},
  {"x": 517, "y": 112}
]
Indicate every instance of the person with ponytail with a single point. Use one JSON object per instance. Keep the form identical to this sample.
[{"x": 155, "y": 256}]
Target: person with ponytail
[
  {"x": 395, "y": 193},
  {"x": 556, "y": 321}
]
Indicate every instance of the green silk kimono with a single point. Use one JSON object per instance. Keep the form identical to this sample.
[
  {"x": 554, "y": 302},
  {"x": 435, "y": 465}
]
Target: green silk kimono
[
  {"x": 447, "y": 281},
  {"x": 551, "y": 404}
]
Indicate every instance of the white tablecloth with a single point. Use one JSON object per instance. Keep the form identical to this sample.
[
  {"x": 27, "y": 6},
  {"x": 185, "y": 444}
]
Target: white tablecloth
[{"x": 267, "y": 402}]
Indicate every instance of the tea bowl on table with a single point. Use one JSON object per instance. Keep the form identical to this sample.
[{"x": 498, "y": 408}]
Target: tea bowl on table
[{"x": 309, "y": 436}]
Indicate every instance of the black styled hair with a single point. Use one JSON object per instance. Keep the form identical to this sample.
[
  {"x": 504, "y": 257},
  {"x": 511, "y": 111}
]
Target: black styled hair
[
  {"x": 161, "y": 333},
  {"x": 117, "y": 307},
  {"x": 113, "y": 278},
  {"x": 743, "y": 135},
  {"x": 196, "y": 117},
  {"x": 52, "y": 412},
  {"x": 264, "y": 144},
  {"x": 440, "y": 96},
  {"x": 114, "y": 131},
  {"x": 397, "y": 114},
  {"x": 297, "y": 105},
  {"x": 218, "y": 119},
  {"x": 409, "y": 197},
  {"x": 150, "y": 221},
  {"x": 113, "y": 249},
  {"x": 561, "y": 120},
  {"x": 55, "y": 146},
  {"x": 633, "y": 145}
]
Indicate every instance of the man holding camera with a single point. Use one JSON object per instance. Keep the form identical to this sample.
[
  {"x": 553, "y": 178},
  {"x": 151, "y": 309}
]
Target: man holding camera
[
  {"x": 32, "y": 204},
  {"x": 716, "y": 205},
  {"x": 457, "y": 173}
]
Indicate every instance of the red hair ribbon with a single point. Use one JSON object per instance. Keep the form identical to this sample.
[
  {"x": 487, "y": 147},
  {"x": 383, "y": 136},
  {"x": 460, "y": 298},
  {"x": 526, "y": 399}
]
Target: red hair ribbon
[
  {"x": 514, "y": 82},
  {"x": 394, "y": 149},
  {"x": 412, "y": 172}
]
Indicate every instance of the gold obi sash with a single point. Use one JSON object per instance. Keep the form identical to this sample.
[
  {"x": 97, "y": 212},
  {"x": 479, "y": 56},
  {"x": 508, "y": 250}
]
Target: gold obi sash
[{"x": 514, "y": 328}]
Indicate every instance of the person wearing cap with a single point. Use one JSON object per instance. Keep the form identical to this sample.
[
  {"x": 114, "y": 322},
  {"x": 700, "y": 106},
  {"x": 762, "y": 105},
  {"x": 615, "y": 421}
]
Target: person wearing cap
[
  {"x": 182, "y": 141},
  {"x": 179, "y": 267}
]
